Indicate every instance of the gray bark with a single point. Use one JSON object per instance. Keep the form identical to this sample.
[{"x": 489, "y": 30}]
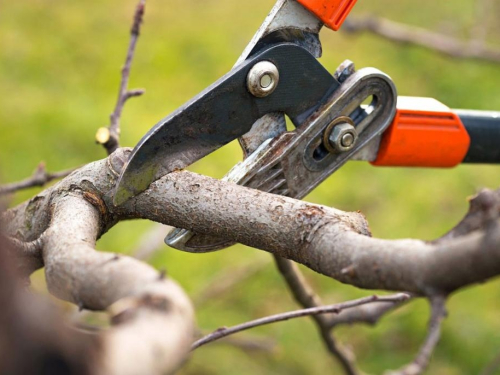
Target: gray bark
[{"x": 150, "y": 312}]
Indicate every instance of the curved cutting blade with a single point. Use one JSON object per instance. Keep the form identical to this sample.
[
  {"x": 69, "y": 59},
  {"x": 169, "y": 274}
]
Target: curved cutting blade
[{"x": 223, "y": 112}]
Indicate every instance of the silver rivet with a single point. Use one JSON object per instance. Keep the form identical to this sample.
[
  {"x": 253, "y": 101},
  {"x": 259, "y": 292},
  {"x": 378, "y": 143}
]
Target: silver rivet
[
  {"x": 263, "y": 79},
  {"x": 266, "y": 80}
]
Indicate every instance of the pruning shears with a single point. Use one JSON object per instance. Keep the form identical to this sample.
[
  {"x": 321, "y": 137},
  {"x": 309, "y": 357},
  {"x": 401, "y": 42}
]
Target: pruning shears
[{"x": 278, "y": 74}]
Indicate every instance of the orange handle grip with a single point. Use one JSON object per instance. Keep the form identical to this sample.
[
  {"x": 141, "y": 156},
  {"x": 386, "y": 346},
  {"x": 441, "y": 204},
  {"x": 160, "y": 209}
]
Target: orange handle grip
[
  {"x": 331, "y": 12},
  {"x": 424, "y": 133}
]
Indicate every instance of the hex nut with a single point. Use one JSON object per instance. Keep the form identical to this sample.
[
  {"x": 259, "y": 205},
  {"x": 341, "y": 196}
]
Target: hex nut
[{"x": 342, "y": 136}]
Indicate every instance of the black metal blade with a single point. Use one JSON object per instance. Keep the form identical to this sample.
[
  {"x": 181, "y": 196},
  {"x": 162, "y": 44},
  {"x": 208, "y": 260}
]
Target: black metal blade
[{"x": 223, "y": 112}]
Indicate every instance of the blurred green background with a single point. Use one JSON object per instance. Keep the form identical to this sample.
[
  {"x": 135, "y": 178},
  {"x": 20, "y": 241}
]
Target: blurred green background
[{"x": 59, "y": 72}]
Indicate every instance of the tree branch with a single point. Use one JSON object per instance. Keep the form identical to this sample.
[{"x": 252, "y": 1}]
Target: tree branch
[
  {"x": 368, "y": 314},
  {"x": 40, "y": 177},
  {"x": 152, "y": 317},
  {"x": 402, "y": 33},
  {"x": 483, "y": 208},
  {"x": 307, "y": 298},
  {"x": 336, "y": 308},
  {"x": 421, "y": 361},
  {"x": 332, "y": 242},
  {"x": 329, "y": 241},
  {"x": 110, "y": 137}
]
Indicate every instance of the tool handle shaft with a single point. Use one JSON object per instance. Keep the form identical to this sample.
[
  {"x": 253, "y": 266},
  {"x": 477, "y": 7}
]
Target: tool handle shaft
[
  {"x": 426, "y": 133},
  {"x": 484, "y": 131}
]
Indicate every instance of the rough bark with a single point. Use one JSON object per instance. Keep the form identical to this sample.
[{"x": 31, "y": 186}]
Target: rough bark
[
  {"x": 152, "y": 315},
  {"x": 332, "y": 242},
  {"x": 152, "y": 318}
]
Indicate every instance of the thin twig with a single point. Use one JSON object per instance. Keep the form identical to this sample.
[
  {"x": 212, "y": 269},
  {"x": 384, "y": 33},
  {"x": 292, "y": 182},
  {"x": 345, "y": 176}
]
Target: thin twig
[
  {"x": 367, "y": 314},
  {"x": 332, "y": 309},
  {"x": 251, "y": 344},
  {"x": 402, "y": 33},
  {"x": 40, "y": 177},
  {"x": 307, "y": 298},
  {"x": 421, "y": 361},
  {"x": 109, "y": 137}
]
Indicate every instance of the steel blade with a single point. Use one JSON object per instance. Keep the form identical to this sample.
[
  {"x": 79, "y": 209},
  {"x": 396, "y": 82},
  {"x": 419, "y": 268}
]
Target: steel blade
[{"x": 223, "y": 112}]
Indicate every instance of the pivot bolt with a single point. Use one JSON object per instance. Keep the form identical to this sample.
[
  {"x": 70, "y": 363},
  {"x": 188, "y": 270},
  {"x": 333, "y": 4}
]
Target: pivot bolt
[
  {"x": 340, "y": 135},
  {"x": 344, "y": 71},
  {"x": 263, "y": 79},
  {"x": 347, "y": 140}
]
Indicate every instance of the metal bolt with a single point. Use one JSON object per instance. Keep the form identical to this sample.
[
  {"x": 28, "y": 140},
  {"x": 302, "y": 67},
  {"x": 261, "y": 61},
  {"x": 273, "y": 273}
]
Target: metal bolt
[
  {"x": 347, "y": 140},
  {"x": 340, "y": 135},
  {"x": 344, "y": 70},
  {"x": 263, "y": 79}
]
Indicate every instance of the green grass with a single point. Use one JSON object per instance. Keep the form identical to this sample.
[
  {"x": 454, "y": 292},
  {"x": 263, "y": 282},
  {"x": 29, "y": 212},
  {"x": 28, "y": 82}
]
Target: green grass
[{"x": 59, "y": 71}]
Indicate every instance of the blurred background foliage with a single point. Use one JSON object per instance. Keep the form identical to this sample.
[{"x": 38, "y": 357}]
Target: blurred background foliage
[{"x": 59, "y": 72}]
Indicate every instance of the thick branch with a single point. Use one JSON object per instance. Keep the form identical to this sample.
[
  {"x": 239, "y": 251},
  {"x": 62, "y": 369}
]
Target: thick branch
[
  {"x": 402, "y": 33},
  {"x": 152, "y": 317},
  {"x": 332, "y": 242},
  {"x": 329, "y": 241},
  {"x": 79, "y": 209}
]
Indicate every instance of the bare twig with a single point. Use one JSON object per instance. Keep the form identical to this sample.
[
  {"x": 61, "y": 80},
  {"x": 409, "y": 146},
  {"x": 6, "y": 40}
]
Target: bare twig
[
  {"x": 250, "y": 344},
  {"x": 335, "y": 309},
  {"x": 402, "y": 33},
  {"x": 492, "y": 367},
  {"x": 307, "y": 298},
  {"x": 367, "y": 314},
  {"x": 421, "y": 361},
  {"x": 109, "y": 137},
  {"x": 40, "y": 177}
]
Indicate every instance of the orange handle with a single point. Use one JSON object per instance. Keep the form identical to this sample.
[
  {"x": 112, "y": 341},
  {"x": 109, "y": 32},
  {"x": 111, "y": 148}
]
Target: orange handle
[
  {"x": 424, "y": 133},
  {"x": 331, "y": 12}
]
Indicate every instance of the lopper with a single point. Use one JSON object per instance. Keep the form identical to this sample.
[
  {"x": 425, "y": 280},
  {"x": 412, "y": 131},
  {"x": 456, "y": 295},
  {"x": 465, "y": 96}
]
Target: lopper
[{"x": 278, "y": 74}]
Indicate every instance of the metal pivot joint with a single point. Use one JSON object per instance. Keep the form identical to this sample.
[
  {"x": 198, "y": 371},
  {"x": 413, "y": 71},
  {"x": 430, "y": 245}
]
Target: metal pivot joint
[
  {"x": 263, "y": 79},
  {"x": 227, "y": 110},
  {"x": 295, "y": 162},
  {"x": 340, "y": 135}
]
